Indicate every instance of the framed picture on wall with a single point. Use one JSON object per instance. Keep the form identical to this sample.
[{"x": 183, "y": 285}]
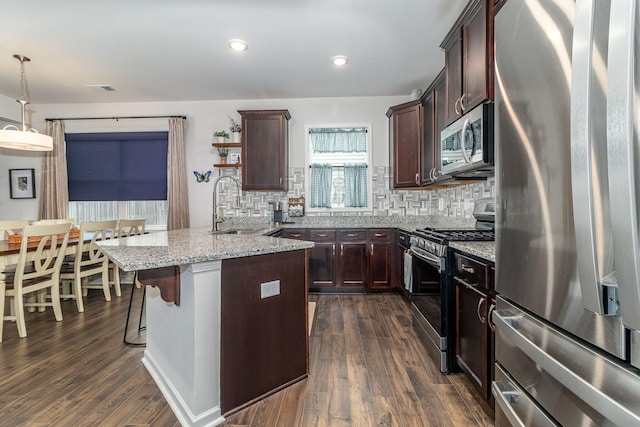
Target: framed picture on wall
[{"x": 22, "y": 183}]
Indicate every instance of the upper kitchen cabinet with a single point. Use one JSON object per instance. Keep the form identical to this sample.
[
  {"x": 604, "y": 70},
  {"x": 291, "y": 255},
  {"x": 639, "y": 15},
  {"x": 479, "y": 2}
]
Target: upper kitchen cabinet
[
  {"x": 469, "y": 59},
  {"x": 405, "y": 131},
  {"x": 265, "y": 135},
  {"x": 433, "y": 108}
]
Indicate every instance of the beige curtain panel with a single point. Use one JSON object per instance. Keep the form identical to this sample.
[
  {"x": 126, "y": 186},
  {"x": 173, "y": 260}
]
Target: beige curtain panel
[
  {"x": 54, "y": 190},
  {"x": 177, "y": 195}
]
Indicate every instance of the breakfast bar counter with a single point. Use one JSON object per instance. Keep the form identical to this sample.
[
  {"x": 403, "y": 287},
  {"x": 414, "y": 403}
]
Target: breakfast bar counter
[{"x": 236, "y": 330}]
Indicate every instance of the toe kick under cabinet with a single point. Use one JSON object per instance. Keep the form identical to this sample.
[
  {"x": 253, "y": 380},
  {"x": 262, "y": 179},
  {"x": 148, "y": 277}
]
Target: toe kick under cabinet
[{"x": 473, "y": 279}]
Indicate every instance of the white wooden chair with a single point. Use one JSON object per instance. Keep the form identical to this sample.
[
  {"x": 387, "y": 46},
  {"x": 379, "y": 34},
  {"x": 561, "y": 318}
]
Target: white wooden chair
[
  {"x": 8, "y": 228},
  {"x": 54, "y": 221},
  {"x": 126, "y": 227},
  {"x": 35, "y": 271},
  {"x": 89, "y": 260}
]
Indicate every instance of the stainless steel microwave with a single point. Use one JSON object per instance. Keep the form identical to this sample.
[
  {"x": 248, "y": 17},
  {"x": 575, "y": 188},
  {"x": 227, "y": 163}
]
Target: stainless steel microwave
[{"x": 466, "y": 145}]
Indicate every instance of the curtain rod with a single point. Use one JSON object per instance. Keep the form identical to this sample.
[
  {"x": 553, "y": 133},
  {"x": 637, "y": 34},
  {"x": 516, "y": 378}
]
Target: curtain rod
[{"x": 117, "y": 118}]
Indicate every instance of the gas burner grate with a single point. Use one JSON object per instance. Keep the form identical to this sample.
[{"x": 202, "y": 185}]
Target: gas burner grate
[{"x": 464, "y": 235}]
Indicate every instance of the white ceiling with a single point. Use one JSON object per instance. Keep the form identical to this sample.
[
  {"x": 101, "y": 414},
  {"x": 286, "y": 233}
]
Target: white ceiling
[{"x": 176, "y": 50}]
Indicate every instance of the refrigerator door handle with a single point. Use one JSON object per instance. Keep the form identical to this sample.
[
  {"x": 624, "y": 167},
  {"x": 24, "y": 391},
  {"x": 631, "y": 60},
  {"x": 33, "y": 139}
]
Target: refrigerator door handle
[
  {"x": 588, "y": 199},
  {"x": 524, "y": 333},
  {"x": 623, "y": 157}
]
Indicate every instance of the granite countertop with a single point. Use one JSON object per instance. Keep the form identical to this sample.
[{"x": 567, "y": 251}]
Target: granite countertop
[
  {"x": 191, "y": 245},
  {"x": 484, "y": 250},
  {"x": 188, "y": 246}
]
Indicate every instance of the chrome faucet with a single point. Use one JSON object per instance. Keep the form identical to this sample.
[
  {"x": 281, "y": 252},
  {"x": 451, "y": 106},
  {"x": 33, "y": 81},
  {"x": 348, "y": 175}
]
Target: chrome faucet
[{"x": 215, "y": 219}]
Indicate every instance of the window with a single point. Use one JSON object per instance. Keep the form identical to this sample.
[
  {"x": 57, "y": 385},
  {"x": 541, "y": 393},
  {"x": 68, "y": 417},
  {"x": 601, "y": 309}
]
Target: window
[
  {"x": 118, "y": 175},
  {"x": 338, "y": 159}
]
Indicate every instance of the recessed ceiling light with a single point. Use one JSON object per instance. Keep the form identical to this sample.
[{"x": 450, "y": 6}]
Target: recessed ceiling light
[
  {"x": 238, "y": 45},
  {"x": 339, "y": 60}
]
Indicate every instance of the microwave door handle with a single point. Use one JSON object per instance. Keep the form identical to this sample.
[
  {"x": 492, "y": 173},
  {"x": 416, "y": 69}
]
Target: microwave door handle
[
  {"x": 622, "y": 158},
  {"x": 590, "y": 210},
  {"x": 463, "y": 141}
]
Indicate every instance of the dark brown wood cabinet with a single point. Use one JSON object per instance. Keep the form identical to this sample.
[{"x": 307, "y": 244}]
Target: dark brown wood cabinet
[
  {"x": 433, "y": 109},
  {"x": 469, "y": 59},
  {"x": 294, "y": 233},
  {"x": 381, "y": 258},
  {"x": 475, "y": 301},
  {"x": 405, "y": 134},
  {"x": 322, "y": 259},
  {"x": 352, "y": 259},
  {"x": 265, "y": 136},
  {"x": 349, "y": 260},
  {"x": 257, "y": 331}
]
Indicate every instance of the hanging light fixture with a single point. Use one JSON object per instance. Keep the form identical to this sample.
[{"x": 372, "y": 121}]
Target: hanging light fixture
[{"x": 26, "y": 138}]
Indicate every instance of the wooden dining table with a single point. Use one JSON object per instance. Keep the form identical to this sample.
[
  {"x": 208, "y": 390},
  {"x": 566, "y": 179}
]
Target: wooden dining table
[{"x": 9, "y": 251}]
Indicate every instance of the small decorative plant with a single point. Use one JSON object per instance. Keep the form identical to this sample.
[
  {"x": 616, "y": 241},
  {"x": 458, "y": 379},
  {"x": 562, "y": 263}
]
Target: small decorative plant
[
  {"x": 223, "y": 152},
  {"x": 235, "y": 126},
  {"x": 221, "y": 134}
]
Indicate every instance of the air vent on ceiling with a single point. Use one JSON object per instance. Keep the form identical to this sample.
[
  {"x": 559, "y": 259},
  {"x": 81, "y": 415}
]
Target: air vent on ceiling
[{"x": 102, "y": 88}]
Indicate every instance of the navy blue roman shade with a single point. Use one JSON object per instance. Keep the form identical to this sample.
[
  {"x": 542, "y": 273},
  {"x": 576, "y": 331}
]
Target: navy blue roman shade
[{"x": 117, "y": 166}]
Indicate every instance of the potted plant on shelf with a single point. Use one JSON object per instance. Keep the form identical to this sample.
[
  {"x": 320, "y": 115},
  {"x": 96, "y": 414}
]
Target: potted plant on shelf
[
  {"x": 221, "y": 136},
  {"x": 235, "y": 130},
  {"x": 223, "y": 152}
]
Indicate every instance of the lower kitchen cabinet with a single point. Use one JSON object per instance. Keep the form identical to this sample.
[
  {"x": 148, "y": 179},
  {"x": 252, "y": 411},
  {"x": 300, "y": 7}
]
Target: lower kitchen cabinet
[
  {"x": 475, "y": 301},
  {"x": 381, "y": 258},
  {"x": 322, "y": 259},
  {"x": 352, "y": 258}
]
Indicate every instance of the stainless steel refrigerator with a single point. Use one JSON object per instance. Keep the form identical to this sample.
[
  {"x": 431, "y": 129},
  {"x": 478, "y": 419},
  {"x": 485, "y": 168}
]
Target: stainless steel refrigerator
[{"x": 567, "y": 236}]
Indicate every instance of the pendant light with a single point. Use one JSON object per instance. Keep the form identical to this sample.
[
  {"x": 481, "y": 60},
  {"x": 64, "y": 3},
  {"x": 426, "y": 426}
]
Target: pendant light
[{"x": 26, "y": 138}]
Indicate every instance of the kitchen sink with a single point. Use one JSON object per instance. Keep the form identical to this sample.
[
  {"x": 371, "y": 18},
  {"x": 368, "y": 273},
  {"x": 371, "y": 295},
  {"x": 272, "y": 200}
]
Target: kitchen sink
[{"x": 234, "y": 231}]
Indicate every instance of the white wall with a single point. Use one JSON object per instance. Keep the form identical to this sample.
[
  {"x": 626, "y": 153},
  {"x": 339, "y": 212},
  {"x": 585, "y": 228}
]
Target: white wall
[{"x": 204, "y": 117}]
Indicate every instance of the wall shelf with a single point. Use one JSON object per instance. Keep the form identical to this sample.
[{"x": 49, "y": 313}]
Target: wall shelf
[
  {"x": 227, "y": 144},
  {"x": 227, "y": 165}
]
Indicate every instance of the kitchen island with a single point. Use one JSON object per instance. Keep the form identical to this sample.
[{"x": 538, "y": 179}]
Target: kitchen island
[{"x": 230, "y": 326}]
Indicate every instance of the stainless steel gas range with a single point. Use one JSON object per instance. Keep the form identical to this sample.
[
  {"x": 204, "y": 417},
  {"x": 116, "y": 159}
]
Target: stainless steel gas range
[{"x": 432, "y": 294}]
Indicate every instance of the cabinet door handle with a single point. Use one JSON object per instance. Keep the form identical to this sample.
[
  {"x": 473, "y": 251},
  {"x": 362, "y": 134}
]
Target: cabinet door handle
[
  {"x": 296, "y": 235},
  {"x": 341, "y": 250},
  {"x": 280, "y": 180},
  {"x": 372, "y": 248},
  {"x": 334, "y": 250},
  {"x": 322, "y": 235},
  {"x": 352, "y": 234},
  {"x": 455, "y": 107},
  {"x": 492, "y": 325},
  {"x": 468, "y": 269},
  {"x": 379, "y": 234},
  {"x": 462, "y": 108},
  {"x": 480, "y": 303},
  {"x": 417, "y": 179}
]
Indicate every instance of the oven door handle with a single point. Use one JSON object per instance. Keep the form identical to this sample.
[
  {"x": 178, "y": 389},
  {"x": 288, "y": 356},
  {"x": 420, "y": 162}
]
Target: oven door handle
[{"x": 427, "y": 257}]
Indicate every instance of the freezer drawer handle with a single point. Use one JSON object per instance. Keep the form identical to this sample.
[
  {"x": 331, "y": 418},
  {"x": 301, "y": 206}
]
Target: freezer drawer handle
[
  {"x": 508, "y": 324},
  {"x": 506, "y": 398}
]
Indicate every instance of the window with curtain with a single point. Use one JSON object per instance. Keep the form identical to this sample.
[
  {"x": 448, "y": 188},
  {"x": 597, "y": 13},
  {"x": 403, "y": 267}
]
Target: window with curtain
[
  {"x": 338, "y": 159},
  {"x": 118, "y": 175}
]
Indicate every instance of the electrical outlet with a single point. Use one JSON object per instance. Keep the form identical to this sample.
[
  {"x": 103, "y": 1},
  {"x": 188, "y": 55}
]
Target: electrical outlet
[{"x": 270, "y": 289}]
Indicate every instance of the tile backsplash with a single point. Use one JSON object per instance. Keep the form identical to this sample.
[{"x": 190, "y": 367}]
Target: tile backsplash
[{"x": 452, "y": 201}]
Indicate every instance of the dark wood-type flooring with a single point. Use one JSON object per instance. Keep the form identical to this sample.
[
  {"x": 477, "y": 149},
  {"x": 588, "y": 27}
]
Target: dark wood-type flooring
[{"x": 367, "y": 369}]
